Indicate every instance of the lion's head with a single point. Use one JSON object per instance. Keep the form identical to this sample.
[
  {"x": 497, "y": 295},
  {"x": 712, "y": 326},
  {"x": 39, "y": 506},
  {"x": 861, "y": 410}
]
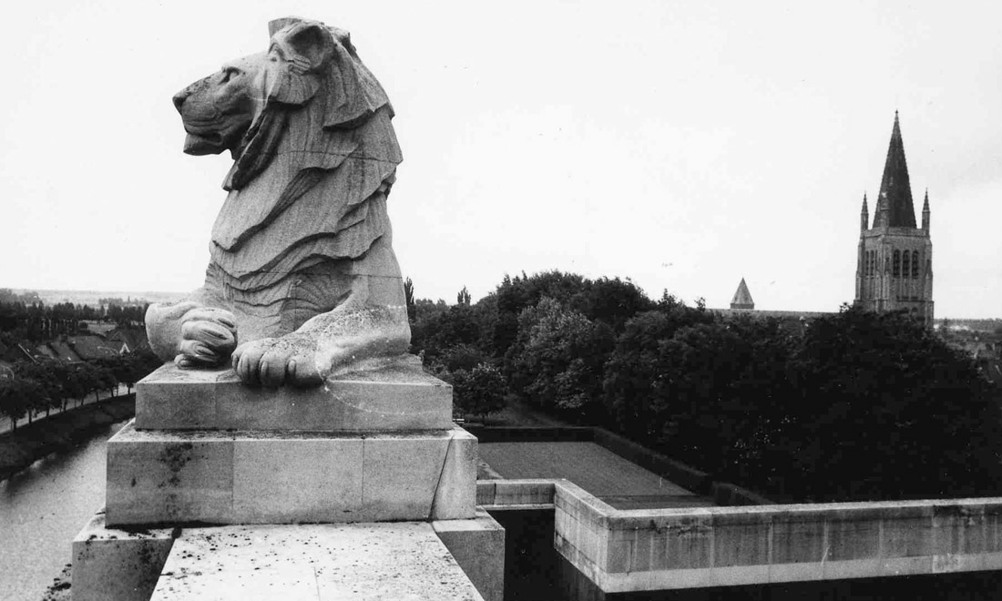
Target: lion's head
[{"x": 243, "y": 107}]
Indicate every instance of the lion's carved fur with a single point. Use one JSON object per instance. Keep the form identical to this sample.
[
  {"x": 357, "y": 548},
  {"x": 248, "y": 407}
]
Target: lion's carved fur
[{"x": 301, "y": 254}]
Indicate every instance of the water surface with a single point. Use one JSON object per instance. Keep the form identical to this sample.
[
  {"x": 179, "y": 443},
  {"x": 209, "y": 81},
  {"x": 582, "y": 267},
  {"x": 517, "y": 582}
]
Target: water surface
[{"x": 42, "y": 508}]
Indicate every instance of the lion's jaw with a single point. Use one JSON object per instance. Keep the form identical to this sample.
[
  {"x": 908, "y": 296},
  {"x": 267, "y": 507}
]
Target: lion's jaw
[{"x": 217, "y": 111}]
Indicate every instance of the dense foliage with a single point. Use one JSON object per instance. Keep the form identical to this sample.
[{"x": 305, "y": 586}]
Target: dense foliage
[
  {"x": 33, "y": 384},
  {"x": 38, "y": 387},
  {"x": 848, "y": 406},
  {"x": 25, "y": 317}
]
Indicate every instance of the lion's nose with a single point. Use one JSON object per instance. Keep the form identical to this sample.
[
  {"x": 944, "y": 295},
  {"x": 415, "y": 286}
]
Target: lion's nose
[{"x": 180, "y": 97}]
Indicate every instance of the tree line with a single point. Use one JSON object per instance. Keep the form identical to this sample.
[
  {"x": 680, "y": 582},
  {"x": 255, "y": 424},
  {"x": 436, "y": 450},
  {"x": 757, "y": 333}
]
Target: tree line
[
  {"x": 847, "y": 406},
  {"x": 25, "y": 317},
  {"x": 37, "y": 388}
]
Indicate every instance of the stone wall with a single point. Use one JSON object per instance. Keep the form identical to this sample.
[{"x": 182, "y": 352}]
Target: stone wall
[{"x": 645, "y": 550}]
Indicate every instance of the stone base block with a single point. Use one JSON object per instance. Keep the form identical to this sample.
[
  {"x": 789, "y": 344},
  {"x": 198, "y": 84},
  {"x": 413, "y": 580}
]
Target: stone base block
[
  {"x": 390, "y": 395},
  {"x": 478, "y": 547},
  {"x": 313, "y": 562},
  {"x": 117, "y": 565},
  {"x": 252, "y": 478}
]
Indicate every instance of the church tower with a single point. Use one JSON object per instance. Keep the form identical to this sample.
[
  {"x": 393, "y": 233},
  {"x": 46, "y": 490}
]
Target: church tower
[{"x": 894, "y": 266}]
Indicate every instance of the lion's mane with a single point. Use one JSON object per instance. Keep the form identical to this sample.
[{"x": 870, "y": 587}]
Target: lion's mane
[{"x": 323, "y": 144}]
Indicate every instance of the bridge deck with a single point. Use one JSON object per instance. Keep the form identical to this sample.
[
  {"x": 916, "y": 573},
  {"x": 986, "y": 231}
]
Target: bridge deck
[{"x": 400, "y": 560}]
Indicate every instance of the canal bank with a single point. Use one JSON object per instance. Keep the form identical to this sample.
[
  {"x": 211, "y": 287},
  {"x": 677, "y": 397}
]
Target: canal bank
[{"x": 58, "y": 433}]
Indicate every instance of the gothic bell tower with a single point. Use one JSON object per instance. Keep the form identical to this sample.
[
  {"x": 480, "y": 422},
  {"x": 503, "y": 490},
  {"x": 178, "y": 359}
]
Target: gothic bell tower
[{"x": 894, "y": 266}]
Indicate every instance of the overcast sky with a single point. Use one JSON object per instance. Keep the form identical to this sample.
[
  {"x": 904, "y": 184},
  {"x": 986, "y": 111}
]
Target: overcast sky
[{"x": 684, "y": 145}]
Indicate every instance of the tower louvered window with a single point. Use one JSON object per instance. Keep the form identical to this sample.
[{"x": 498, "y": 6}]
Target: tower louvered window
[
  {"x": 915, "y": 263},
  {"x": 897, "y": 264},
  {"x": 906, "y": 264}
]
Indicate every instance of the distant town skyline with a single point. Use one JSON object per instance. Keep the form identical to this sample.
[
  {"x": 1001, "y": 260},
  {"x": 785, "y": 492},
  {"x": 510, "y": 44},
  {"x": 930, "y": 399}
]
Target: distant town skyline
[{"x": 682, "y": 145}]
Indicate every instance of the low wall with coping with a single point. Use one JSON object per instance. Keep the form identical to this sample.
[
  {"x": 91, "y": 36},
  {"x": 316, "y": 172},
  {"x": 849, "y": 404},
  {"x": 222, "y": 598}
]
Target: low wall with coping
[
  {"x": 516, "y": 495},
  {"x": 660, "y": 549}
]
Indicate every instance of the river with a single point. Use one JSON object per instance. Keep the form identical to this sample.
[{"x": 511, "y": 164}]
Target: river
[{"x": 42, "y": 508}]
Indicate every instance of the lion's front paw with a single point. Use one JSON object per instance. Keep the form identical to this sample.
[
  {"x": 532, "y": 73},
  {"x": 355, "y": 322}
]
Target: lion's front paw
[
  {"x": 272, "y": 362},
  {"x": 208, "y": 337}
]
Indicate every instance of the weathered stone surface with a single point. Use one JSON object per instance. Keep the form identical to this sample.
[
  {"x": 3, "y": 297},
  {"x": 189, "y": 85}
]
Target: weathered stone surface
[
  {"x": 455, "y": 492},
  {"x": 531, "y": 493},
  {"x": 317, "y": 562},
  {"x": 154, "y": 478},
  {"x": 398, "y": 395},
  {"x": 302, "y": 277},
  {"x": 157, "y": 477},
  {"x": 649, "y": 550},
  {"x": 117, "y": 565},
  {"x": 315, "y": 480},
  {"x": 478, "y": 546}
]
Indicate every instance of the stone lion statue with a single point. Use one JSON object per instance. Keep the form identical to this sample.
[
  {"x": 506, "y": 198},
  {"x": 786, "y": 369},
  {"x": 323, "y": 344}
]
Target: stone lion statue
[{"x": 302, "y": 278}]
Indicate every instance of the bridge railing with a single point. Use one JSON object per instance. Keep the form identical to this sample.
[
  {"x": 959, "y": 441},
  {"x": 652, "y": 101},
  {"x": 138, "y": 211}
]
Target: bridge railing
[{"x": 659, "y": 549}]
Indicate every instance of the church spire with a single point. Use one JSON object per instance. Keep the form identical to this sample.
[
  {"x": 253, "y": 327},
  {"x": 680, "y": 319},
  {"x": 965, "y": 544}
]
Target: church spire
[
  {"x": 894, "y": 203},
  {"x": 864, "y": 215},
  {"x": 742, "y": 298},
  {"x": 925, "y": 213}
]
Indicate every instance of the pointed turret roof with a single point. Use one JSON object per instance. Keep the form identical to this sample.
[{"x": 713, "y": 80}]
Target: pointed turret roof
[
  {"x": 894, "y": 203},
  {"x": 742, "y": 298}
]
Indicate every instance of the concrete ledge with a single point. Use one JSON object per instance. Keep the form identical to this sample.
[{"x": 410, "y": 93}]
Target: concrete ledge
[
  {"x": 313, "y": 562},
  {"x": 478, "y": 547},
  {"x": 395, "y": 396},
  {"x": 645, "y": 550},
  {"x": 250, "y": 478},
  {"x": 529, "y": 493},
  {"x": 117, "y": 565}
]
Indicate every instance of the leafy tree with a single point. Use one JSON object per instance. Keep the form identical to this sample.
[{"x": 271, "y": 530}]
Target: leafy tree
[
  {"x": 479, "y": 391},
  {"x": 636, "y": 385},
  {"x": 459, "y": 325},
  {"x": 557, "y": 361},
  {"x": 463, "y": 298},
  {"x": 893, "y": 413},
  {"x": 461, "y": 357},
  {"x": 17, "y": 397},
  {"x": 516, "y": 294},
  {"x": 43, "y": 373},
  {"x": 611, "y": 301}
]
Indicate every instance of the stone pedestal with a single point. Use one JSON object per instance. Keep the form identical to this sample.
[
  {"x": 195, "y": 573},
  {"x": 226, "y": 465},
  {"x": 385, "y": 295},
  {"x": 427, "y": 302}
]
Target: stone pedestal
[
  {"x": 219, "y": 477},
  {"x": 366, "y": 448},
  {"x": 391, "y": 397}
]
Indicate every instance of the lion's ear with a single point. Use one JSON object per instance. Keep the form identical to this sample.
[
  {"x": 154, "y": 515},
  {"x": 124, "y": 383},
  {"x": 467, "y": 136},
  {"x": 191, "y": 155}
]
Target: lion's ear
[
  {"x": 322, "y": 57},
  {"x": 312, "y": 44}
]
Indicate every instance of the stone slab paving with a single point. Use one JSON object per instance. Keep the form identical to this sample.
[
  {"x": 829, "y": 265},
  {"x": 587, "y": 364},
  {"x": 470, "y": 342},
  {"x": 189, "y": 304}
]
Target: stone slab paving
[
  {"x": 322, "y": 562},
  {"x": 616, "y": 480}
]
